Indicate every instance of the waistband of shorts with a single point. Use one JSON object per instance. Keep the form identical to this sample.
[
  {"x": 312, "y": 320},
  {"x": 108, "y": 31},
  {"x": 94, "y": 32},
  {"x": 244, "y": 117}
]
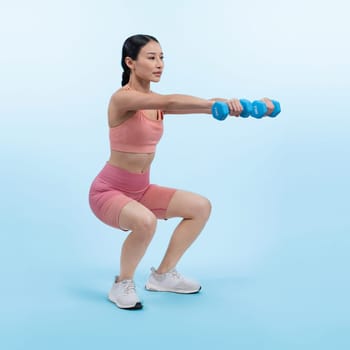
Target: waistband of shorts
[{"x": 123, "y": 179}]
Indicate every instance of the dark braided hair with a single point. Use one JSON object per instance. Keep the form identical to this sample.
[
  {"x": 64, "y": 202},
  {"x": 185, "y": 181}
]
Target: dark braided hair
[{"x": 131, "y": 48}]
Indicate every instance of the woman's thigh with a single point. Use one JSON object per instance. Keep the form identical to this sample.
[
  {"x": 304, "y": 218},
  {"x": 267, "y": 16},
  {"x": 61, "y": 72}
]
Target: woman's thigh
[
  {"x": 157, "y": 198},
  {"x": 188, "y": 205}
]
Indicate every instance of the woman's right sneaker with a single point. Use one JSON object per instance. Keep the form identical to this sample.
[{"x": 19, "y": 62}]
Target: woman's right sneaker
[{"x": 123, "y": 294}]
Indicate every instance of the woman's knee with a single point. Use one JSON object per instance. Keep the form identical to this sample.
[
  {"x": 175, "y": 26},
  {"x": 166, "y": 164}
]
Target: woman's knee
[
  {"x": 203, "y": 207},
  {"x": 189, "y": 205},
  {"x": 140, "y": 221},
  {"x": 146, "y": 224}
]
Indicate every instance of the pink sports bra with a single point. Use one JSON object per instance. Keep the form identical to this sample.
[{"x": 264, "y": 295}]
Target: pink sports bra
[{"x": 138, "y": 134}]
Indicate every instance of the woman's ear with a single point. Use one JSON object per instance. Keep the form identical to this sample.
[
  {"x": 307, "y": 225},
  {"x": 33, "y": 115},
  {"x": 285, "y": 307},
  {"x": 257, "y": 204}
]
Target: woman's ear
[{"x": 129, "y": 62}]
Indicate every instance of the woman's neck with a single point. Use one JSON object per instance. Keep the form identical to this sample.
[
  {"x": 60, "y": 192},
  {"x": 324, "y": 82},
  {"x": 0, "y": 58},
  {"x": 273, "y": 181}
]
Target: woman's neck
[{"x": 139, "y": 85}]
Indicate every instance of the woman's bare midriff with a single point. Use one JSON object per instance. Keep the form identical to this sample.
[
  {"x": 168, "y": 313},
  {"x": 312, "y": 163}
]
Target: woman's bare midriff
[{"x": 132, "y": 162}]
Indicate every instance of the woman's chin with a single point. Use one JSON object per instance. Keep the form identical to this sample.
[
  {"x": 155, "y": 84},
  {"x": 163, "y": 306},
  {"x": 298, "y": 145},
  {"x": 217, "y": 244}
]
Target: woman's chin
[{"x": 155, "y": 79}]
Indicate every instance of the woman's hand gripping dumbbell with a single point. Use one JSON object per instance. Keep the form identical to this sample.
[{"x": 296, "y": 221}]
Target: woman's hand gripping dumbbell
[{"x": 257, "y": 109}]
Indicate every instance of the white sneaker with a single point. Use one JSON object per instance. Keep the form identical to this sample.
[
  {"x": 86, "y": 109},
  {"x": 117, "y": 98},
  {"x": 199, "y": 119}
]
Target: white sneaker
[
  {"x": 171, "y": 281},
  {"x": 123, "y": 294}
]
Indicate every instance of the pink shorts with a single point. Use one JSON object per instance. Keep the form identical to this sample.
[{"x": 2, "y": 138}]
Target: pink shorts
[{"x": 114, "y": 187}]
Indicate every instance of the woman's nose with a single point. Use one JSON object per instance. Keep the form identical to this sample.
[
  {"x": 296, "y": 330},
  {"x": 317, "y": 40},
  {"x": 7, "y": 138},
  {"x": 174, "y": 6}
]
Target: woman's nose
[{"x": 159, "y": 62}]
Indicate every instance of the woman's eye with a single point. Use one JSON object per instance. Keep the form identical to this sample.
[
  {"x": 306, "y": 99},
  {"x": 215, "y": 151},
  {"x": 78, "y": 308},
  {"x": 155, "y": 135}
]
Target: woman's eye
[{"x": 153, "y": 58}]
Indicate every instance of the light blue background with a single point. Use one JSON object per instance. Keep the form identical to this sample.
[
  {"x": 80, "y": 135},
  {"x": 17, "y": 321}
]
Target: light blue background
[{"x": 274, "y": 257}]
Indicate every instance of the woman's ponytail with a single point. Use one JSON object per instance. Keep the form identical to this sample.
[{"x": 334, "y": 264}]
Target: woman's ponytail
[{"x": 125, "y": 77}]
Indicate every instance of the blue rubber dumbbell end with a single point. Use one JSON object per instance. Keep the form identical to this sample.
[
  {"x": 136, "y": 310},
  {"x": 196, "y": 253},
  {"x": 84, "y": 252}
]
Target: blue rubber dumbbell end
[
  {"x": 247, "y": 108},
  {"x": 220, "y": 110},
  {"x": 276, "y": 110},
  {"x": 259, "y": 109}
]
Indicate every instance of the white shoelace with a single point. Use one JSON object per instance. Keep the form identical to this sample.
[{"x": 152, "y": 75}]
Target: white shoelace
[
  {"x": 129, "y": 287},
  {"x": 172, "y": 274},
  {"x": 175, "y": 274}
]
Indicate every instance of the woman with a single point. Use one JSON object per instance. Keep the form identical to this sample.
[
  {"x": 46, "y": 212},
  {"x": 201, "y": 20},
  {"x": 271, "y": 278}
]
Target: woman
[{"x": 121, "y": 195}]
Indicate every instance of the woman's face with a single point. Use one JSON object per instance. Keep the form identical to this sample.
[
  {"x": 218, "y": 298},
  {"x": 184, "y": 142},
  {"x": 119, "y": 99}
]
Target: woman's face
[{"x": 149, "y": 64}]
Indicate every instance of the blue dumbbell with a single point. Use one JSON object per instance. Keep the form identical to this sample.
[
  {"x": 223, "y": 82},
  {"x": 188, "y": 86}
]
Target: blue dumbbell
[
  {"x": 220, "y": 110},
  {"x": 260, "y": 109},
  {"x": 257, "y": 109}
]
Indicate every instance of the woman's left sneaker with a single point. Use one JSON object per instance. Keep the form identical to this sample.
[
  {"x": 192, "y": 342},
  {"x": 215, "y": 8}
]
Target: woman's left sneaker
[{"x": 171, "y": 281}]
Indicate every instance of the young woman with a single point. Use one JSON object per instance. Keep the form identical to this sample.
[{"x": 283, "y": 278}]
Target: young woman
[{"x": 121, "y": 194}]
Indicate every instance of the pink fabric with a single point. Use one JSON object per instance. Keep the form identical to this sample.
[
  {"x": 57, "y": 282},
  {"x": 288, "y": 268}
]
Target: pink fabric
[
  {"x": 138, "y": 134},
  {"x": 114, "y": 187}
]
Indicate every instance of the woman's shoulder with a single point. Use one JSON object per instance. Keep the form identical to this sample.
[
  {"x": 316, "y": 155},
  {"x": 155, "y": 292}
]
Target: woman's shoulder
[
  {"x": 117, "y": 96},
  {"x": 121, "y": 90}
]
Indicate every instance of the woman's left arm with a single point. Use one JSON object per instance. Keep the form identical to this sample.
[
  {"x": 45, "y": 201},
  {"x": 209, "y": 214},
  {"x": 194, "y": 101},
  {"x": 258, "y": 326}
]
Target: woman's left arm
[{"x": 234, "y": 105}]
